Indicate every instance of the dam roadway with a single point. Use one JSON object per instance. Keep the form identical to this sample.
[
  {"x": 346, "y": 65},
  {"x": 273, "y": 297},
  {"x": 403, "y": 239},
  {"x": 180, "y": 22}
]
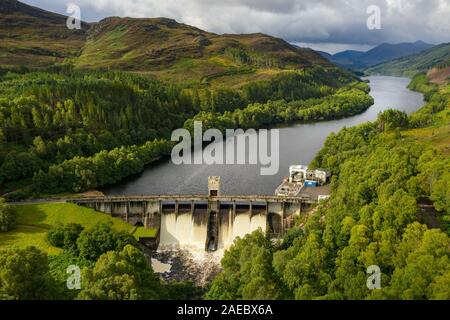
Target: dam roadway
[{"x": 209, "y": 222}]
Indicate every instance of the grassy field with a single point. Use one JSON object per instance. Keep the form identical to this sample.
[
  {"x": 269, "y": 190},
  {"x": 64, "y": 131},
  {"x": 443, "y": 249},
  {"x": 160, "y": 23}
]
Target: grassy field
[{"x": 33, "y": 222}]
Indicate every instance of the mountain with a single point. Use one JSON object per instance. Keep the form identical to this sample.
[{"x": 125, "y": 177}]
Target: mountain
[
  {"x": 324, "y": 54},
  {"x": 170, "y": 49},
  {"x": 33, "y": 37},
  {"x": 386, "y": 52},
  {"x": 348, "y": 58},
  {"x": 358, "y": 59},
  {"x": 434, "y": 61}
]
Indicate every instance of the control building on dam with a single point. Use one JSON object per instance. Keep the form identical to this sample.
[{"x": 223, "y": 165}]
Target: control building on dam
[{"x": 210, "y": 221}]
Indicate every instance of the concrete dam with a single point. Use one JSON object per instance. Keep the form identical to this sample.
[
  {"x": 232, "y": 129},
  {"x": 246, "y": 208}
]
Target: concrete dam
[{"x": 205, "y": 221}]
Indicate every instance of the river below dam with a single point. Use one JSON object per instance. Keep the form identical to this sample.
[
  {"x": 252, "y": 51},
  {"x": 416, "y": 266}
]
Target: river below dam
[{"x": 298, "y": 145}]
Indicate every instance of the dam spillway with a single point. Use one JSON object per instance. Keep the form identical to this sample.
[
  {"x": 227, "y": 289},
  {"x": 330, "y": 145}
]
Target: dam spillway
[{"x": 202, "y": 221}]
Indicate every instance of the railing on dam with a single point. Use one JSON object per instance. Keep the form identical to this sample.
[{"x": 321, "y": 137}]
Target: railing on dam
[{"x": 222, "y": 198}]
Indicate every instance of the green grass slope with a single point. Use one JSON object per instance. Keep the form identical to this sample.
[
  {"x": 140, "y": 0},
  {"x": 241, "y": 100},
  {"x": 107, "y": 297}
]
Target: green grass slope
[{"x": 33, "y": 222}]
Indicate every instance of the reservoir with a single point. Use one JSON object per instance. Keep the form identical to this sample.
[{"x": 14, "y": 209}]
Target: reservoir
[{"x": 298, "y": 145}]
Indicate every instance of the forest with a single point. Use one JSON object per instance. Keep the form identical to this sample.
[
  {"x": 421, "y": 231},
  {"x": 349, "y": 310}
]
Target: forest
[
  {"x": 112, "y": 265},
  {"x": 66, "y": 130},
  {"x": 384, "y": 177},
  {"x": 84, "y": 109}
]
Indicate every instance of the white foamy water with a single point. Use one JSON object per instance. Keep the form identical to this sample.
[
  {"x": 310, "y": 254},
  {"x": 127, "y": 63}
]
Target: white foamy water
[
  {"x": 181, "y": 230},
  {"x": 225, "y": 228},
  {"x": 191, "y": 230},
  {"x": 160, "y": 267}
]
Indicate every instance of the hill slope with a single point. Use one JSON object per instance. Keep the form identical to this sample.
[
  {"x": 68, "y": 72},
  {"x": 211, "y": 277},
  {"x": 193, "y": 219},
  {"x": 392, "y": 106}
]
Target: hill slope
[
  {"x": 348, "y": 58},
  {"x": 387, "y": 51},
  {"x": 177, "y": 51},
  {"x": 436, "y": 58},
  {"x": 34, "y": 37}
]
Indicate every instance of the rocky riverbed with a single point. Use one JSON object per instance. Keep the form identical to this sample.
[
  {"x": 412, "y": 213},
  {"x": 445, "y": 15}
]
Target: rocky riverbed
[{"x": 187, "y": 264}]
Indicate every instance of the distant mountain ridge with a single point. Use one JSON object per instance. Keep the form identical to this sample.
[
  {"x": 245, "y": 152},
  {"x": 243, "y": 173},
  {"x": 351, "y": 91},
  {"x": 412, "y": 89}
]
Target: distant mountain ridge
[
  {"x": 384, "y": 52},
  {"x": 434, "y": 61}
]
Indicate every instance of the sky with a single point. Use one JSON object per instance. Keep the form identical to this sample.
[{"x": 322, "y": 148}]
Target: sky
[{"x": 328, "y": 25}]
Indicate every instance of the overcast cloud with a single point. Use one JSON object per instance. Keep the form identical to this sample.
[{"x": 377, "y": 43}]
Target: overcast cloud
[{"x": 340, "y": 22}]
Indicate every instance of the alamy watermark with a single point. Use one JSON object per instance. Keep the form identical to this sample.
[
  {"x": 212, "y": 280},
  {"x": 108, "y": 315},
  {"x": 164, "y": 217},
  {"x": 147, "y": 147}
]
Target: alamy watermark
[
  {"x": 74, "y": 279},
  {"x": 374, "y": 280},
  {"x": 74, "y": 18},
  {"x": 374, "y": 20},
  {"x": 239, "y": 147}
]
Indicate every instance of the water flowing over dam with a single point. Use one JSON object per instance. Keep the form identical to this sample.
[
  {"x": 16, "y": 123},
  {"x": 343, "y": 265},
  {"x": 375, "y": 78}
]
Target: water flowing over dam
[
  {"x": 210, "y": 222},
  {"x": 206, "y": 222},
  {"x": 214, "y": 230}
]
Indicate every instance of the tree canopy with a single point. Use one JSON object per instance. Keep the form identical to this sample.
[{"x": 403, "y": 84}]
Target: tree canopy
[{"x": 383, "y": 175}]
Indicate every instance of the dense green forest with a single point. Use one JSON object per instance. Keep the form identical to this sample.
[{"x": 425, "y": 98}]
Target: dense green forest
[
  {"x": 112, "y": 263},
  {"x": 385, "y": 174},
  {"x": 64, "y": 130}
]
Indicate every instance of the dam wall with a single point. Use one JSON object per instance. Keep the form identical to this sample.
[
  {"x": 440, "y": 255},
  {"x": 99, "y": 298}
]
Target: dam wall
[{"x": 205, "y": 222}]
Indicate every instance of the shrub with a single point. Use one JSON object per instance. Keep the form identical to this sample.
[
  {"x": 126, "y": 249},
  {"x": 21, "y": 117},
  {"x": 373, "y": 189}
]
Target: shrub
[
  {"x": 100, "y": 239},
  {"x": 65, "y": 236},
  {"x": 7, "y": 217},
  {"x": 16, "y": 196}
]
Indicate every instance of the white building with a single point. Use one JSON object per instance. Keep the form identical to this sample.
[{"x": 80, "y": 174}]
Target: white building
[
  {"x": 300, "y": 173},
  {"x": 297, "y": 173},
  {"x": 322, "y": 176}
]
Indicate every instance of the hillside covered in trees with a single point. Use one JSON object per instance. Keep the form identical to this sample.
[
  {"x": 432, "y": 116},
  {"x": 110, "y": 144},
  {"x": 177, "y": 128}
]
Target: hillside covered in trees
[
  {"x": 65, "y": 130},
  {"x": 389, "y": 207},
  {"x": 99, "y": 104}
]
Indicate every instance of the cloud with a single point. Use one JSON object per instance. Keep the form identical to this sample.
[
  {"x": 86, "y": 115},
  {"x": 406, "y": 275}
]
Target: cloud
[{"x": 312, "y": 21}]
